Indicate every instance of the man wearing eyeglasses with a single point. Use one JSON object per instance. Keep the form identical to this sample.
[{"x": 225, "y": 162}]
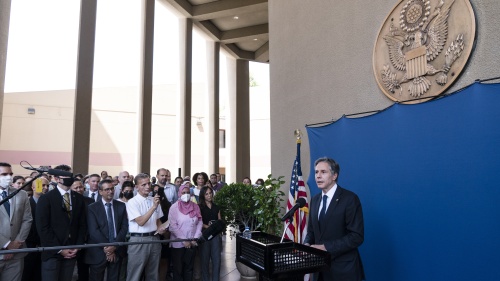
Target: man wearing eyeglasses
[
  {"x": 107, "y": 222},
  {"x": 60, "y": 221}
]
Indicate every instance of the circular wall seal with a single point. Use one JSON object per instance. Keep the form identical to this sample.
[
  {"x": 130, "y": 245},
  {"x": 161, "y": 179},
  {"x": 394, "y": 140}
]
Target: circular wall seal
[{"x": 422, "y": 47}]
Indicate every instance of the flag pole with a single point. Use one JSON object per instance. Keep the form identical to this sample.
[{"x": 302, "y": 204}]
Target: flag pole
[{"x": 298, "y": 136}]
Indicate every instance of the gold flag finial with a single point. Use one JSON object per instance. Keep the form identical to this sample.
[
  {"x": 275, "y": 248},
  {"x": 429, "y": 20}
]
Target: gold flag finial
[{"x": 298, "y": 135}]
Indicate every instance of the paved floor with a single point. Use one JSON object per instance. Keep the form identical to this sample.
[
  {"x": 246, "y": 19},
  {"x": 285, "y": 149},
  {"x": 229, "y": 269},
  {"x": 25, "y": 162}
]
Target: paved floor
[
  {"x": 228, "y": 266},
  {"x": 229, "y": 272}
]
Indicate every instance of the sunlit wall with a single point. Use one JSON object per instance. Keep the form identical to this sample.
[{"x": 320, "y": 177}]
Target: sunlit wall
[{"x": 37, "y": 121}]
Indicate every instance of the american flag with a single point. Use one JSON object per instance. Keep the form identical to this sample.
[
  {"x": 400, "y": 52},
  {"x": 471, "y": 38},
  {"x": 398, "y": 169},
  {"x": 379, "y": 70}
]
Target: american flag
[{"x": 297, "y": 230}]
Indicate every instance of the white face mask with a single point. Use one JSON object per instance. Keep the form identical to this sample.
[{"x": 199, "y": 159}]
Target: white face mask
[
  {"x": 5, "y": 181},
  {"x": 185, "y": 197}
]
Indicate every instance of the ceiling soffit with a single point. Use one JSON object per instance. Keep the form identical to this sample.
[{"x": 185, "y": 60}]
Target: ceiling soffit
[{"x": 241, "y": 26}]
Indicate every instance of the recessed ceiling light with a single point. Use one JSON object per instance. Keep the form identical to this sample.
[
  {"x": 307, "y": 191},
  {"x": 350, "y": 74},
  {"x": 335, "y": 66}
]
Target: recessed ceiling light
[
  {"x": 235, "y": 17},
  {"x": 255, "y": 39}
]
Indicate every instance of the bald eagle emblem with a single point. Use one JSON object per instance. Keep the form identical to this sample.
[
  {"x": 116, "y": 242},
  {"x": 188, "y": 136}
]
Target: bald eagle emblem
[{"x": 421, "y": 37}]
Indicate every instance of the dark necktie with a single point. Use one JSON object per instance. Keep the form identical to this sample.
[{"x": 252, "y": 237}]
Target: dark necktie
[
  {"x": 7, "y": 203},
  {"x": 111, "y": 227},
  {"x": 92, "y": 196},
  {"x": 323, "y": 209}
]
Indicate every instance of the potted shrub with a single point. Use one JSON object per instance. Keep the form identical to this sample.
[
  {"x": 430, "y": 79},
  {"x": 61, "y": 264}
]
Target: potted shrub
[
  {"x": 267, "y": 211},
  {"x": 236, "y": 204},
  {"x": 257, "y": 207}
]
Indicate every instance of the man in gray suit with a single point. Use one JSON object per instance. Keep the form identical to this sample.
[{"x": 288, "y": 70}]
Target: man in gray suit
[{"x": 15, "y": 224}]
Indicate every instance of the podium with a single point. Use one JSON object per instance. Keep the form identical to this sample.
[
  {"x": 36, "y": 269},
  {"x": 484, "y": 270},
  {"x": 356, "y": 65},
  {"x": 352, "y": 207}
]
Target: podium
[{"x": 279, "y": 261}]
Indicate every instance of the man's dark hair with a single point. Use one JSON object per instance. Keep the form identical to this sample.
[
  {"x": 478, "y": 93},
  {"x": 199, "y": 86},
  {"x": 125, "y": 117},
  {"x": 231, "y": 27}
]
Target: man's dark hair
[
  {"x": 103, "y": 182},
  {"x": 63, "y": 167},
  {"x": 334, "y": 167},
  {"x": 3, "y": 164}
]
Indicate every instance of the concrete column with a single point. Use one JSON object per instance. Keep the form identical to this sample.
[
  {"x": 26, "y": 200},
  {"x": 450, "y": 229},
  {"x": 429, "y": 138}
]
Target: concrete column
[
  {"x": 185, "y": 94},
  {"x": 4, "y": 39},
  {"x": 83, "y": 88},
  {"x": 146, "y": 87},
  {"x": 239, "y": 150},
  {"x": 213, "y": 54}
]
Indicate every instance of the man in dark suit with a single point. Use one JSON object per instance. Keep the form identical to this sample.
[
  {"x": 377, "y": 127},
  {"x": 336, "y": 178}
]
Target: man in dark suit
[
  {"x": 107, "y": 222},
  {"x": 33, "y": 272},
  {"x": 60, "y": 221},
  {"x": 336, "y": 225},
  {"x": 15, "y": 223},
  {"x": 93, "y": 192}
]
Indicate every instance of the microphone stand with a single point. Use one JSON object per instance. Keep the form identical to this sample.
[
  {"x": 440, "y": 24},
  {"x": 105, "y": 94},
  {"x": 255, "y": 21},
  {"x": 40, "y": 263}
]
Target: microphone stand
[
  {"x": 17, "y": 190},
  {"x": 288, "y": 221}
]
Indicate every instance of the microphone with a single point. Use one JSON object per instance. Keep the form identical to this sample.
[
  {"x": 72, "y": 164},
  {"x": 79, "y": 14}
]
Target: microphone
[
  {"x": 54, "y": 172},
  {"x": 301, "y": 202},
  {"x": 213, "y": 230}
]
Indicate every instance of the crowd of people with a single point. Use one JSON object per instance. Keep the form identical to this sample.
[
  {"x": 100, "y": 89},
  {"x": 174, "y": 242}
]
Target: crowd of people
[
  {"x": 66, "y": 210},
  {"x": 62, "y": 210}
]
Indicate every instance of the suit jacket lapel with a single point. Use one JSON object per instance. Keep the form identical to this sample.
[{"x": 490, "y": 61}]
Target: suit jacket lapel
[
  {"x": 115, "y": 211},
  {"x": 102, "y": 210},
  {"x": 334, "y": 202},
  {"x": 74, "y": 206},
  {"x": 2, "y": 210},
  {"x": 315, "y": 213}
]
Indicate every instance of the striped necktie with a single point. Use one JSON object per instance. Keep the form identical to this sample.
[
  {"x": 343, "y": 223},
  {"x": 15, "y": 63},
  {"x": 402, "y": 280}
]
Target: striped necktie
[{"x": 67, "y": 204}]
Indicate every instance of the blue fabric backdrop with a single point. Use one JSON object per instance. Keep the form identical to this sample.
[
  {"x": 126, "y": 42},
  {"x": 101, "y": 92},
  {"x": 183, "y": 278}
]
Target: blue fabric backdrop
[{"x": 427, "y": 176}]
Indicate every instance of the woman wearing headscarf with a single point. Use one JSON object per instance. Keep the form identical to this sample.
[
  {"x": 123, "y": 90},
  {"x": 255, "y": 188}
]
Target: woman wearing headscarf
[{"x": 185, "y": 223}]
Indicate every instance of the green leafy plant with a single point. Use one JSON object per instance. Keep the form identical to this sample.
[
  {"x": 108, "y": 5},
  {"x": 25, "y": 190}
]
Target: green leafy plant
[
  {"x": 257, "y": 207},
  {"x": 268, "y": 200}
]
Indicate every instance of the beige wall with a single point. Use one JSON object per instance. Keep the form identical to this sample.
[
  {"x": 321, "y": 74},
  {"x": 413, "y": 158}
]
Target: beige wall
[
  {"x": 321, "y": 65},
  {"x": 45, "y": 138}
]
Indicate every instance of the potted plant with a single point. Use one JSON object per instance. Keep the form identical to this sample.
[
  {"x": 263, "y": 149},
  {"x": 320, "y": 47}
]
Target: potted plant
[
  {"x": 267, "y": 211},
  {"x": 236, "y": 204},
  {"x": 257, "y": 207}
]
